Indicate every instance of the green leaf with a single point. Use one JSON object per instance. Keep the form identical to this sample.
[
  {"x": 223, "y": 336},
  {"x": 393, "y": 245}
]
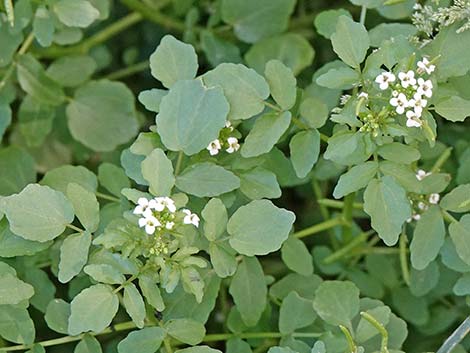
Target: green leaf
[
  {"x": 16, "y": 324},
  {"x": 337, "y": 302},
  {"x": 186, "y": 330},
  {"x": 314, "y": 111},
  {"x": 37, "y": 83},
  {"x": 147, "y": 340},
  {"x": 72, "y": 71},
  {"x": 339, "y": 78},
  {"x": 134, "y": 304},
  {"x": 43, "y": 26},
  {"x": 387, "y": 31},
  {"x": 280, "y": 350},
  {"x": 412, "y": 309},
  {"x": 291, "y": 48},
  {"x": 325, "y": 22},
  {"x": 305, "y": 286},
  {"x": 215, "y": 219},
  {"x": 158, "y": 171},
  {"x": 296, "y": 256},
  {"x": 5, "y": 118},
  {"x": 457, "y": 200},
  {"x": 304, "y": 151},
  {"x": 198, "y": 349},
  {"x": 237, "y": 345},
  {"x": 60, "y": 178},
  {"x": 428, "y": 238},
  {"x": 423, "y": 281},
  {"x": 254, "y": 21},
  {"x": 173, "y": 61},
  {"x": 12, "y": 245},
  {"x": 152, "y": 98},
  {"x": 350, "y": 41},
  {"x": 35, "y": 121},
  {"x": 219, "y": 50},
  {"x": 151, "y": 291},
  {"x": 88, "y": 344},
  {"x": 73, "y": 255},
  {"x": 282, "y": 83},
  {"x": 10, "y": 40},
  {"x": 295, "y": 312},
  {"x": 44, "y": 288},
  {"x": 259, "y": 228},
  {"x": 190, "y": 107},
  {"x": 386, "y": 203},
  {"x": 453, "y": 108},
  {"x": 460, "y": 234},
  {"x": 223, "y": 259},
  {"x": 76, "y": 13},
  {"x": 113, "y": 178},
  {"x": 259, "y": 183},
  {"x": 14, "y": 290},
  {"x": 248, "y": 290},
  {"x": 57, "y": 315},
  {"x": 399, "y": 153},
  {"x": 104, "y": 273},
  {"x": 346, "y": 148},
  {"x": 92, "y": 309},
  {"x": 244, "y": 89},
  {"x": 265, "y": 133},
  {"x": 16, "y": 170},
  {"x": 462, "y": 286},
  {"x": 206, "y": 180},
  {"x": 87, "y": 208},
  {"x": 48, "y": 213},
  {"x": 355, "y": 179},
  {"x": 102, "y": 116}
]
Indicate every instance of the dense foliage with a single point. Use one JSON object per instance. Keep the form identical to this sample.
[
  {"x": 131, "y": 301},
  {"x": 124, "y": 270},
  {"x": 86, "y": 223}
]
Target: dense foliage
[{"x": 242, "y": 176}]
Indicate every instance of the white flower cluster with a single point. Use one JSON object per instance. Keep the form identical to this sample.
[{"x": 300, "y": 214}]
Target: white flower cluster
[
  {"x": 160, "y": 213},
  {"x": 409, "y": 96},
  {"x": 229, "y": 142},
  {"x": 423, "y": 204}
]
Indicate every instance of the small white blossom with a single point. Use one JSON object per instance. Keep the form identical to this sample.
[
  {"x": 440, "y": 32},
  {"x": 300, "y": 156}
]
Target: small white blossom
[
  {"x": 434, "y": 198},
  {"x": 424, "y": 87},
  {"x": 150, "y": 223},
  {"x": 214, "y": 147},
  {"x": 421, "y": 174},
  {"x": 165, "y": 202},
  {"x": 400, "y": 103},
  {"x": 228, "y": 125},
  {"x": 416, "y": 217},
  {"x": 142, "y": 205},
  {"x": 422, "y": 206},
  {"x": 384, "y": 80},
  {"x": 190, "y": 218},
  {"x": 413, "y": 119},
  {"x": 169, "y": 225},
  {"x": 233, "y": 145},
  {"x": 418, "y": 103},
  {"x": 363, "y": 95},
  {"x": 394, "y": 93},
  {"x": 426, "y": 66},
  {"x": 407, "y": 78}
]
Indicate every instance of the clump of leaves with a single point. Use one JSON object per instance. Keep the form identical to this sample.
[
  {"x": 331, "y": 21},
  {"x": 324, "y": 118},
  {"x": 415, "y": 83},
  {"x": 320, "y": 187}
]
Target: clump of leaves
[{"x": 185, "y": 222}]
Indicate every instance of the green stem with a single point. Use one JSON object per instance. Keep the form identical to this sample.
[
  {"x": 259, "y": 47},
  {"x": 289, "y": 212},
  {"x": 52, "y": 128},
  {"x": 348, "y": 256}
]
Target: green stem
[
  {"x": 345, "y": 250},
  {"x": 448, "y": 217},
  {"x": 320, "y": 227},
  {"x": 247, "y": 335},
  {"x": 404, "y": 258},
  {"x": 383, "y": 332},
  {"x": 348, "y": 216},
  {"x": 347, "y": 334},
  {"x": 362, "y": 19},
  {"x": 127, "y": 281},
  {"x": 96, "y": 39},
  {"x": 441, "y": 160},
  {"x": 107, "y": 197},
  {"x": 26, "y": 44},
  {"x": 179, "y": 163},
  {"x": 339, "y": 204},
  {"x": 128, "y": 71},
  {"x": 317, "y": 190},
  {"x": 272, "y": 106},
  {"x": 71, "y": 226},
  {"x": 166, "y": 340}
]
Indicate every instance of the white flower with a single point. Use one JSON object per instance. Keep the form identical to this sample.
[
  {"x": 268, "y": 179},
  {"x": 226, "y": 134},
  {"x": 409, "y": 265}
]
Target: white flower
[
  {"x": 228, "y": 125},
  {"x": 424, "y": 87},
  {"x": 421, "y": 174},
  {"x": 400, "y": 103},
  {"x": 416, "y": 217},
  {"x": 413, "y": 119},
  {"x": 169, "y": 225},
  {"x": 422, "y": 206},
  {"x": 418, "y": 103},
  {"x": 167, "y": 202},
  {"x": 233, "y": 145},
  {"x": 363, "y": 95},
  {"x": 384, "y": 80},
  {"x": 214, "y": 147},
  {"x": 150, "y": 223},
  {"x": 426, "y": 66},
  {"x": 190, "y": 218},
  {"x": 407, "y": 78},
  {"x": 143, "y": 206},
  {"x": 394, "y": 93},
  {"x": 434, "y": 198}
]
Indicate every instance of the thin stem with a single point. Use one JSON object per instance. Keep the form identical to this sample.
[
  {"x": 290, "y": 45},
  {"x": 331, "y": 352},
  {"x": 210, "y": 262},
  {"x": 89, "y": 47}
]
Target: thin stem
[
  {"x": 26, "y": 44},
  {"x": 71, "y": 226},
  {"x": 448, "y": 217},
  {"x": 166, "y": 340},
  {"x": 247, "y": 335},
  {"x": 320, "y": 227},
  {"x": 403, "y": 257},
  {"x": 441, "y": 160},
  {"x": 179, "y": 162},
  {"x": 126, "y": 282},
  {"x": 96, "y": 39},
  {"x": 339, "y": 204},
  {"x": 128, "y": 71},
  {"x": 380, "y": 328},
  {"x": 349, "y": 339},
  {"x": 345, "y": 250},
  {"x": 107, "y": 197},
  {"x": 272, "y": 106},
  {"x": 362, "y": 19}
]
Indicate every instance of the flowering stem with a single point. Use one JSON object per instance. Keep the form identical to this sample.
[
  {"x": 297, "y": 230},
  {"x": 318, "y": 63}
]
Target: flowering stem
[
  {"x": 380, "y": 328},
  {"x": 320, "y": 227},
  {"x": 403, "y": 258},
  {"x": 347, "y": 334},
  {"x": 441, "y": 160},
  {"x": 107, "y": 197}
]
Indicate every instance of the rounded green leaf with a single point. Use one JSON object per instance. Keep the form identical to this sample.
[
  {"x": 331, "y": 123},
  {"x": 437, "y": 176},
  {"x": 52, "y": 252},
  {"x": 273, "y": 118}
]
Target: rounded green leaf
[
  {"x": 57, "y": 315},
  {"x": 147, "y": 340},
  {"x": 16, "y": 324},
  {"x": 186, "y": 330},
  {"x": 304, "y": 151},
  {"x": 76, "y": 13},
  {"x": 86, "y": 206},
  {"x": 259, "y": 183},
  {"x": 215, "y": 219},
  {"x": 296, "y": 312},
  {"x": 102, "y": 116},
  {"x": 458, "y": 200},
  {"x": 190, "y": 107},
  {"x": 295, "y": 255},
  {"x": 134, "y": 304},
  {"x": 14, "y": 290},
  {"x": 355, "y": 179},
  {"x": 259, "y": 228},
  {"x": 282, "y": 83},
  {"x": 88, "y": 344},
  {"x": 16, "y": 170},
  {"x": 350, "y": 41},
  {"x": 38, "y": 213},
  {"x": 73, "y": 255},
  {"x": 158, "y": 171}
]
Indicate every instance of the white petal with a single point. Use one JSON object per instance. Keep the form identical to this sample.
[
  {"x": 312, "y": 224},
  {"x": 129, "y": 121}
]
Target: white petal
[
  {"x": 383, "y": 86},
  {"x": 138, "y": 209},
  {"x": 142, "y": 201},
  {"x": 149, "y": 229},
  {"x": 142, "y": 222}
]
